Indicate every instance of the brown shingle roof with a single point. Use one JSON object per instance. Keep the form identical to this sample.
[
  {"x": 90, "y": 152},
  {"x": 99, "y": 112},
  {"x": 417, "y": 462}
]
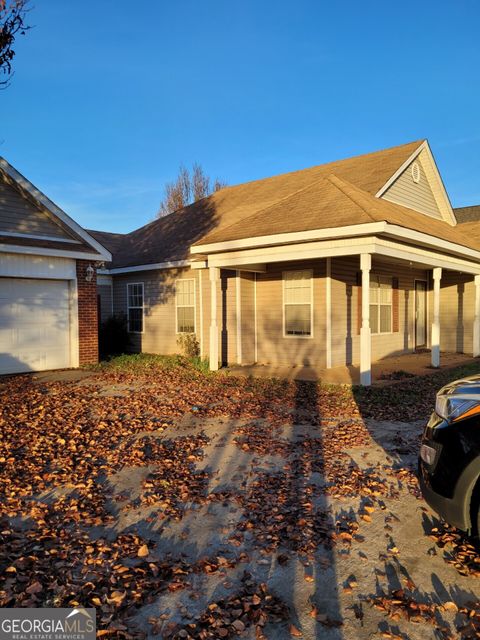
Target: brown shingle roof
[
  {"x": 333, "y": 202},
  {"x": 170, "y": 238},
  {"x": 111, "y": 241},
  {"x": 467, "y": 214}
]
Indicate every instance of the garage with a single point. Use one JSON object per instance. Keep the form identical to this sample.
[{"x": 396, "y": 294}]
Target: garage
[
  {"x": 48, "y": 284},
  {"x": 34, "y": 325}
]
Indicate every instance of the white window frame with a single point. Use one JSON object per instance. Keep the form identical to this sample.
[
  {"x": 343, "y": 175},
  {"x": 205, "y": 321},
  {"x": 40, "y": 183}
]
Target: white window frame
[
  {"x": 310, "y": 275},
  {"x": 138, "y": 284},
  {"x": 378, "y": 278},
  {"x": 182, "y": 333}
]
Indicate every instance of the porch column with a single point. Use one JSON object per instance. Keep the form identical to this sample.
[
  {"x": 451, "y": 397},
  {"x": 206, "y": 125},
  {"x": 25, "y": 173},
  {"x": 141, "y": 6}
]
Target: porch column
[
  {"x": 328, "y": 312},
  {"x": 476, "y": 320},
  {"x": 437, "y": 276},
  {"x": 365, "y": 332},
  {"x": 214, "y": 278},
  {"x": 238, "y": 306}
]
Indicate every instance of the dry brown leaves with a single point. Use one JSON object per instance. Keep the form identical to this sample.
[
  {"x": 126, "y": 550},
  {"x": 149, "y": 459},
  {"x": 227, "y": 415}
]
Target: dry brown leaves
[
  {"x": 460, "y": 551},
  {"x": 252, "y": 606}
]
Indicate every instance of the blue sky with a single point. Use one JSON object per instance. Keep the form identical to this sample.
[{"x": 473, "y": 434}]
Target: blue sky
[{"x": 109, "y": 96}]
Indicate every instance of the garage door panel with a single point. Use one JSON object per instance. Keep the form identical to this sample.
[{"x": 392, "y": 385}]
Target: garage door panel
[{"x": 34, "y": 325}]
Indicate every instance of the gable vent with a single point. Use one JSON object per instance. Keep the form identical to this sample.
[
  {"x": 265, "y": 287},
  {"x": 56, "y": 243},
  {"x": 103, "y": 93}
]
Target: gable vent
[{"x": 415, "y": 172}]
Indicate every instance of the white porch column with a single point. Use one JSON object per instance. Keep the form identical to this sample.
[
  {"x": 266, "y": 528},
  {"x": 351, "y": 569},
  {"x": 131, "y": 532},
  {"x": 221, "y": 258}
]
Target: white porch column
[
  {"x": 476, "y": 320},
  {"x": 437, "y": 276},
  {"x": 365, "y": 332},
  {"x": 238, "y": 306},
  {"x": 214, "y": 278},
  {"x": 328, "y": 312}
]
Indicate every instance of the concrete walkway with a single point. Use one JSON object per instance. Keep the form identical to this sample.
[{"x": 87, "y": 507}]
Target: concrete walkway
[{"x": 383, "y": 371}]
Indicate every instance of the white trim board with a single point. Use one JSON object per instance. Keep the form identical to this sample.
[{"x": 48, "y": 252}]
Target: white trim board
[
  {"x": 367, "y": 228},
  {"x": 43, "y": 251},
  {"x": 351, "y": 231},
  {"x": 146, "y": 267},
  {"x": 53, "y": 209},
  {"x": 344, "y": 247},
  {"x": 31, "y": 236}
]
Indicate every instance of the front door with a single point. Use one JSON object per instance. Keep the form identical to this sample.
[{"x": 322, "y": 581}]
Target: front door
[{"x": 420, "y": 314}]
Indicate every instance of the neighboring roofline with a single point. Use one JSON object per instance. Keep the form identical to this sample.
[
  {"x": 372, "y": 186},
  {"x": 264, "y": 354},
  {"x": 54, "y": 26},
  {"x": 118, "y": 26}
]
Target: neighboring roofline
[
  {"x": 55, "y": 210},
  {"x": 423, "y": 147},
  {"x": 45, "y": 251},
  {"x": 338, "y": 232}
]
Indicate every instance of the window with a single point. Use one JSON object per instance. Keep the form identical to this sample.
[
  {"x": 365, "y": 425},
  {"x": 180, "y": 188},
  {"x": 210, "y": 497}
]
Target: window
[
  {"x": 185, "y": 300},
  {"x": 135, "y": 307},
  {"x": 297, "y": 303},
  {"x": 380, "y": 304}
]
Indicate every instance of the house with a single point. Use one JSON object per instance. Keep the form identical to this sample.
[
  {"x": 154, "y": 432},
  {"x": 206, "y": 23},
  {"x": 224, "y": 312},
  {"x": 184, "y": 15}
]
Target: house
[
  {"x": 342, "y": 263},
  {"x": 48, "y": 298}
]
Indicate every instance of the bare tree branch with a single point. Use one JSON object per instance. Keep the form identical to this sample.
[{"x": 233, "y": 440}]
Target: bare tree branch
[
  {"x": 12, "y": 23},
  {"x": 188, "y": 187}
]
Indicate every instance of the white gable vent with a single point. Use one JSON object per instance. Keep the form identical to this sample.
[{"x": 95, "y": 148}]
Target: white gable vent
[{"x": 416, "y": 172}]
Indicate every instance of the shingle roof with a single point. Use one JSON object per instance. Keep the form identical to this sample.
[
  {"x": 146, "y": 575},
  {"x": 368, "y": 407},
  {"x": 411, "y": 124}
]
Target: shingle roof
[
  {"x": 170, "y": 238},
  {"x": 111, "y": 241},
  {"x": 467, "y": 214},
  {"x": 333, "y": 202}
]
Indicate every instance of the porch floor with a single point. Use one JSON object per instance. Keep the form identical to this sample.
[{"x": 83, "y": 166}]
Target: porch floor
[{"x": 383, "y": 371}]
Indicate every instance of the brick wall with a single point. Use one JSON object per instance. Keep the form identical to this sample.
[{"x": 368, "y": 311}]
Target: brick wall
[{"x": 87, "y": 315}]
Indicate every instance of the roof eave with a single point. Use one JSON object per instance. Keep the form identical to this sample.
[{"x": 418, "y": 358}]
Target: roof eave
[{"x": 375, "y": 228}]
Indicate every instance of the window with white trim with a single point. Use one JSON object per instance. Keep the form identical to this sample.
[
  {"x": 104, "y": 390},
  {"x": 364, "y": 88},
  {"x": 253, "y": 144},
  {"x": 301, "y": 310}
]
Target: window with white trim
[
  {"x": 135, "y": 307},
  {"x": 297, "y": 303},
  {"x": 381, "y": 304},
  {"x": 185, "y": 303}
]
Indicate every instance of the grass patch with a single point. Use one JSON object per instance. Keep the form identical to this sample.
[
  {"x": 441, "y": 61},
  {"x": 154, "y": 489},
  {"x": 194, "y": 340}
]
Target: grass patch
[{"x": 141, "y": 363}]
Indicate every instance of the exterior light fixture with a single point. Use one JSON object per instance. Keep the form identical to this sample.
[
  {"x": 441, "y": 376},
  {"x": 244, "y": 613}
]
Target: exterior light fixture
[{"x": 90, "y": 272}]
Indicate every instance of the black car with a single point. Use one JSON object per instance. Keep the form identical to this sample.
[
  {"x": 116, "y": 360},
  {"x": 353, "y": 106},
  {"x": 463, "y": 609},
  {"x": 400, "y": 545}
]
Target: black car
[{"x": 449, "y": 463}]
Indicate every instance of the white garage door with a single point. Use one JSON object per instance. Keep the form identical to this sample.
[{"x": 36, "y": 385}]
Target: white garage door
[{"x": 34, "y": 325}]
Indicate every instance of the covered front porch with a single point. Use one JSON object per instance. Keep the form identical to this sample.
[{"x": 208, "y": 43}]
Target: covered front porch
[
  {"x": 385, "y": 371},
  {"x": 352, "y": 327}
]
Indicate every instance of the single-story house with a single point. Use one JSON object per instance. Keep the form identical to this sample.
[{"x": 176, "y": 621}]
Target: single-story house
[
  {"x": 338, "y": 264},
  {"x": 48, "y": 297}
]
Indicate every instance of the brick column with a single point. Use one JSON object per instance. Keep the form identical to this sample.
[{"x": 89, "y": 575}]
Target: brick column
[{"x": 87, "y": 314}]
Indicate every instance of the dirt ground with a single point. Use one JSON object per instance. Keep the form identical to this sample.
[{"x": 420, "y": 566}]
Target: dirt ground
[{"x": 276, "y": 526}]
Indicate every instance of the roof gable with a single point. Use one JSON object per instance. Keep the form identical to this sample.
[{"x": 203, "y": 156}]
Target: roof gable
[
  {"x": 20, "y": 215},
  {"x": 417, "y": 184},
  {"x": 28, "y": 217}
]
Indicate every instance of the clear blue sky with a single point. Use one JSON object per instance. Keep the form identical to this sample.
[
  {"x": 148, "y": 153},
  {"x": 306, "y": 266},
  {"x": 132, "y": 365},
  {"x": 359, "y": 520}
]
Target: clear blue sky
[{"x": 109, "y": 96}]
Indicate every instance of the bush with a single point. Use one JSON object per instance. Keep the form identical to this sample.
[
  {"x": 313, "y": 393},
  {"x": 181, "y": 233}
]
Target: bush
[
  {"x": 189, "y": 344},
  {"x": 113, "y": 337}
]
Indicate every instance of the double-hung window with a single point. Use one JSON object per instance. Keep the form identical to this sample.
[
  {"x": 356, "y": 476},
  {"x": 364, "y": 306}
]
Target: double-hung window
[
  {"x": 380, "y": 304},
  {"x": 297, "y": 303},
  {"x": 135, "y": 307},
  {"x": 185, "y": 303}
]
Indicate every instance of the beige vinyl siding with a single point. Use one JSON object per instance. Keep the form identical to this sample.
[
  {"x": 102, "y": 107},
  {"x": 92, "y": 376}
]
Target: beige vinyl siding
[
  {"x": 160, "y": 324},
  {"x": 418, "y": 196},
  {"x": 19, "y": 215},
  {"x": 457, "y": 301},
  {"x": 273, "y": 346},
  {"x": 105, "y": 293},
  {"x": 345, "y": 334}
]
